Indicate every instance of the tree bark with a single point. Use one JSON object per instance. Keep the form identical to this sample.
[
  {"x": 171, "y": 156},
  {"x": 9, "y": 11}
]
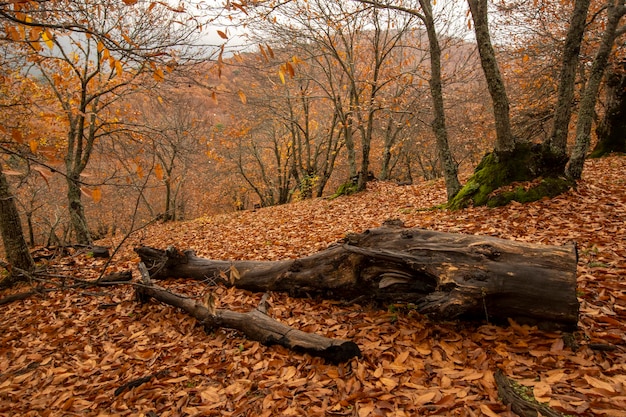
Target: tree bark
[
  {"x": 574, "y": 168},
  {"x": 15, "y": 246},
  {"x": 77, "y": 211},
  {"x": 446, "y": 276},
  {"x": 611, "y": 131},
  {"x": 439, "y": 122},
  {"x": 504, "y": 137},
  {"x": 557, "y": 141},
  {"x": 255, "y": 324}
]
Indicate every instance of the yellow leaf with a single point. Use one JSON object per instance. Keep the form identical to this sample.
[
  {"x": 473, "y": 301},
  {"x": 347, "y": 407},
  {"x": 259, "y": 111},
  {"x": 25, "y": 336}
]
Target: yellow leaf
[
  {"x": 281, "y": 74},
  {"x": 158, "y": 171},
  {"x": 96, "y": 195},
  {"x": 47, "y": 38},
  {"x": 242, "y": 97},
  {"x": 33, "y": 145}
]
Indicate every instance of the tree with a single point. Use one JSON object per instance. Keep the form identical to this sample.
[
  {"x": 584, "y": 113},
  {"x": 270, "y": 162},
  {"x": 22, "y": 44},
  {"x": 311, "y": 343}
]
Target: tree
[
  {"x": 523, "y": 161},
  {"x": 436, "y": 90},
  {"x": 15, "y": 246},
  {"x": 611, "y": 130},
  {"x": 353, "y": 46},
  {"x": 557, "y": 142},
  {"x": 177, "y": 125},
  {"x": 495, "y": 83},
  {"x": 90, "y": 56},
  {"x": 615, "y": 11}
]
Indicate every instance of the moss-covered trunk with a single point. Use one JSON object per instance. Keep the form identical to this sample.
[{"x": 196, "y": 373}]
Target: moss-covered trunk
[{"x": 527, "y": 173}]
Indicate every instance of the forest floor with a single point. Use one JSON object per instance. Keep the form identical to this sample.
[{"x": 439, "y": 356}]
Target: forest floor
[{"x": 70, "y": 352}]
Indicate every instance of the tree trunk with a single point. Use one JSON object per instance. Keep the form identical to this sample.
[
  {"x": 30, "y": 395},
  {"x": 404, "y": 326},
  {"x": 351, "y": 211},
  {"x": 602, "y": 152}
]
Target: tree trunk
[
  {"x": 557, "y": 141},
  {"x": 445, "y": 275},
  {"x": 15, "y": 246},
  {"x": 586, "y": 112},
  {"x": 611, "y": 130},
  {"x": 77, "y": 211},
  {"x": 255, "y": 324},
  {"x": 439, "y": 122},
  {"x": 504, "y": 137}
]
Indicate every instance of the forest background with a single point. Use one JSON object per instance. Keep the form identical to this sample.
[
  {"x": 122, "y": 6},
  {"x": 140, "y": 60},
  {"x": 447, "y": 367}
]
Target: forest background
[{"x": 117, "y": 114}]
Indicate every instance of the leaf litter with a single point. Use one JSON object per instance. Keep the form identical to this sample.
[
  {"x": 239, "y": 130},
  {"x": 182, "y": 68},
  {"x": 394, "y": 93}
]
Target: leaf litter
[{"x": 66, "y": 353}]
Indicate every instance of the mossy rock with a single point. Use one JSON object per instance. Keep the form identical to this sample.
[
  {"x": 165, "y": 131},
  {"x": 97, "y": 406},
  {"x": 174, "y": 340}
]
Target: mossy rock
[{"x": 526, "y": 163}]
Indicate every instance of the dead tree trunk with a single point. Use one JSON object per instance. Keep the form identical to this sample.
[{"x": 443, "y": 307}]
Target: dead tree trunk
[
  {"x": 255, "y": 324},
  {"x": 447, "y": 276}
]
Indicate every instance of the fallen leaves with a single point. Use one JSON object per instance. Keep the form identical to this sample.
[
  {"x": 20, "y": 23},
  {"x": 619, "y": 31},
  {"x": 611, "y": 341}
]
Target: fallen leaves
[{"x": 66, "y": 353}]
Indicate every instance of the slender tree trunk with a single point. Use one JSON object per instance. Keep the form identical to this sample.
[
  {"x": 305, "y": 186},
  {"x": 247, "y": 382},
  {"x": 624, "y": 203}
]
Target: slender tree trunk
[
  {"x": 439, "y": 122},
  {"x": 611, "y": 131},
  {"x": 586, "y": 112},
  {"x": 15, "y": 246},
  {"x": 504, "y": 137},
  {"x": 350, "y": 146},
  {"x": 77, "y": 211},
  {"x": 557, "y": 141}
]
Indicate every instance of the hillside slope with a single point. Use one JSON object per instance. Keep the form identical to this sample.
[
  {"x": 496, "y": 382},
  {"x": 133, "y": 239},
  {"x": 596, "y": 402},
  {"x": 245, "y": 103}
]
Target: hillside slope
[{"x": 67, "y": 352}]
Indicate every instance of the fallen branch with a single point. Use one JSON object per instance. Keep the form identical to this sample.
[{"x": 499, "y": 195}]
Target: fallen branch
[
  {"x": 255, "y": 324},
  {"x": 521, "y": 405}
]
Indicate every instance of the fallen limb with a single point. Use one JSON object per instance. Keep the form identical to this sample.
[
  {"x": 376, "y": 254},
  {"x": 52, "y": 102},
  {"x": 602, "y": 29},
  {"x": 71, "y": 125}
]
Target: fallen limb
[
  {"x": 522, "y": 404},
  {"x": 255, "y": 324},
  {"x": 445, "y": 275}
]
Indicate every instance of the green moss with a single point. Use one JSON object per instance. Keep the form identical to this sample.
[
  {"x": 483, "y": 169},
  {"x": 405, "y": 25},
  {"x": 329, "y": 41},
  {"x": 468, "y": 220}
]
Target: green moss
[
  {"x": 346, "y": 188},
  {"x": 498, "y": 171}
]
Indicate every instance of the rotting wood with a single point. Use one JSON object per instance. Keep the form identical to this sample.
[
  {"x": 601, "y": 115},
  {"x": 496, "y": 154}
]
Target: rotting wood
[
  {"x": 255, "y": 324},
  {"x": 445, "y": 275}
]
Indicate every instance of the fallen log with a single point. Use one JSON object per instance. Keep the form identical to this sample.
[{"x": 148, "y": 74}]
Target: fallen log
[
  {"x": 445, "y": 275},
  {"x": 255, "y": 324}
]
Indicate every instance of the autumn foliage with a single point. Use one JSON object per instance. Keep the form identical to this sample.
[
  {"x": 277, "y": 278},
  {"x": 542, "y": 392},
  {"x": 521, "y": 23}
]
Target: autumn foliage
[{"x": 73, "y": 351}]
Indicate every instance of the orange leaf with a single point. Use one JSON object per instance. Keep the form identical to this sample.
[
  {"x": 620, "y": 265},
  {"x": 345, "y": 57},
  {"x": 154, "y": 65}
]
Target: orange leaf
[
  {"x": 223, "y": 35},
  {"x": 158, "y": 75},
  {"x": 33, "y": 145},
  {"x": 158, "y": 171},
  {"x": 242, "y": 97},
  {"x": 130, "y": 2},
  {"x": 96, "y": 195},
  {"x": 487, "y": 411}
]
